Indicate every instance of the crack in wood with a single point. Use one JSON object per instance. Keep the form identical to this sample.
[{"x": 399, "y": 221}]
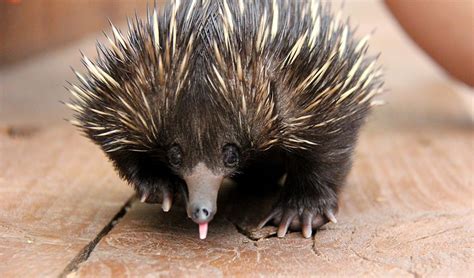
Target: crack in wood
[
  {"x": 317, "y": 252},
  {"x": 84, "y": 254},
  {"x": 435, "y": 234},
  {"x": 409, "y": 271},
  {"x": 314, "y": 249}
]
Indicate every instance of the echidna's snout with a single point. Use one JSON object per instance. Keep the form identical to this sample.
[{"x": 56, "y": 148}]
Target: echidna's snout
[
  {"x": 201, "y": 212},
  {"x": 203, "y": 187}
]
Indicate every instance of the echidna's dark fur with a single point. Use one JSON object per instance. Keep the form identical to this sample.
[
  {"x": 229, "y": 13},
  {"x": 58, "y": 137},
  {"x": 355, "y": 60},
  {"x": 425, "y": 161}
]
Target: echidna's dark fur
[{"x": 279, "y": 76}]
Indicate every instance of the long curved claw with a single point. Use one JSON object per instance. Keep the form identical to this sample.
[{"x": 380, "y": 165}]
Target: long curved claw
[
  {"x": 269, "y": 217},
  {"x": 144, "y": 197},
  {"x": 306, "y": 227},
  {"x": 167, "y": 201},
  {"x": 307, "y": 219},
  {"x": 330, "y": 215},
  {"x": 285, "y": 222}
]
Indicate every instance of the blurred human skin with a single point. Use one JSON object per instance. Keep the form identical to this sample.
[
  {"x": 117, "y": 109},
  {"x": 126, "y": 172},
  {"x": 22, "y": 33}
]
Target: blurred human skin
[{"x": 443, "y": 29}]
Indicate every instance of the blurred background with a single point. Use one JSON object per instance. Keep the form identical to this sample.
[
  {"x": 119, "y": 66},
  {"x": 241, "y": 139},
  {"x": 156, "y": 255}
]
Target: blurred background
[
  {"x": 30, "y": 27},
  {"x": 40, "y": 40}
]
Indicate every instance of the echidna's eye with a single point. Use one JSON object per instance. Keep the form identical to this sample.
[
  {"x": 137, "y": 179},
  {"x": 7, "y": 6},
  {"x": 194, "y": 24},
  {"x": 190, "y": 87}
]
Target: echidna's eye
[
  {"x": 230, "y": 155},
  {"x": 175, "y": 156}
]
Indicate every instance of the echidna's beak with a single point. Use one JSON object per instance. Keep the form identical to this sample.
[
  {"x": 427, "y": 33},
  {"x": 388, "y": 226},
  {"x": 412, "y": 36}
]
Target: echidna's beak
[{"x": 203, "y": 187}]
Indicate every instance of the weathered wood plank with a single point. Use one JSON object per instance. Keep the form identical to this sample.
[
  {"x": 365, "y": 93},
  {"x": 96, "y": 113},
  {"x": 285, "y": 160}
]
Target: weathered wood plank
[
  {"x": 398, "y": 217},
  {"x": 57, "y": 193}
]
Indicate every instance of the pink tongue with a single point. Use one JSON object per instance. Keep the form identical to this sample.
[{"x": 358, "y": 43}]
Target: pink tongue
[{"x": 203, "y": 230}]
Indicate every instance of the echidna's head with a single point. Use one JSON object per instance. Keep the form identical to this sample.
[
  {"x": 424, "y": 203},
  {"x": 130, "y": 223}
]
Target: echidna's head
[
  {"x": 187, "y": 148},
  {"x": 203, "y": 148}
]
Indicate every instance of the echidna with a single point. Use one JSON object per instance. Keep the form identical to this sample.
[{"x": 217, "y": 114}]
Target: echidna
[{"x": 202, "y": 90}]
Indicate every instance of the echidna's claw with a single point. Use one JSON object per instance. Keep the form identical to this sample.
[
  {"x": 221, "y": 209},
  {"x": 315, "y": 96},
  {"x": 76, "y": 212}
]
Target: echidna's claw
[
  {"x": 330, "y": 215},
  {"x": 285, "y": 222},
  {"x": 269, "y": 217},
  {"x": 144, "y": 197},
  {"x": 167, "y": 201},
  {"x": 305, "y": 220},
  {"x": 306, "y": 228}
]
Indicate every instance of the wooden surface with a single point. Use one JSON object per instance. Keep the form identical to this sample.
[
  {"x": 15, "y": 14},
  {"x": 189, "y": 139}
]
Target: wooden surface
[
  {"x": 49, "y": 211},
  {"x": 406, "y": 211}
]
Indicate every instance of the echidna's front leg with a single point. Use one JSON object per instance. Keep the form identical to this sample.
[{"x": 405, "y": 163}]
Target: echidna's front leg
[
  {"x": 159, "y": 191},
  {"x": 308, "y": 200}
]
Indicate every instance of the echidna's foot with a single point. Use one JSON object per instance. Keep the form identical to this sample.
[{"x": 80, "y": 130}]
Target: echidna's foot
[
  {"x": 298, "y": 218},
  {"x": 161, "y": 193}
]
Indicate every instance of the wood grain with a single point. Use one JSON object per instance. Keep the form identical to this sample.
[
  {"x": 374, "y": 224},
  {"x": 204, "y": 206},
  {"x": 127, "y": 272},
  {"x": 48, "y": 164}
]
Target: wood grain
[
  {"x": 398, "y": 217},
  {"x": 57, "y": 193}
]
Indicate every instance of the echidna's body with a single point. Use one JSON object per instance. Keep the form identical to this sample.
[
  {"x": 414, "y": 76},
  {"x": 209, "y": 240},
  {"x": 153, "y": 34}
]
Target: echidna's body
[{"x": 197, "y": 93}]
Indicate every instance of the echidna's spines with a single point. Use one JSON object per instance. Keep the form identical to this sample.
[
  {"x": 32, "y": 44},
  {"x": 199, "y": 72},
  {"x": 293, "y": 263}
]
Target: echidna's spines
[
  {"x": 335, "y": 40},
  {"x": 147, "y": 50},
  {"x": 279, "y": 67}
]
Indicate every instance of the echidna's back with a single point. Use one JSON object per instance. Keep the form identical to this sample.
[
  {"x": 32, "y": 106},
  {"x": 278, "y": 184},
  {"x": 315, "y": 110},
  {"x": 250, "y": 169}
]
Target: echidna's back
[
  {"x": 289, "y": 68},
  {"x": 284, "y": 72}
]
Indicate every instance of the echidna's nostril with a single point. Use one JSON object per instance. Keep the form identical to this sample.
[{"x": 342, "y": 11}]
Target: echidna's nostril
[
  {"x": 196, "y": 213},
  {"x": 201, "y": 214}
]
